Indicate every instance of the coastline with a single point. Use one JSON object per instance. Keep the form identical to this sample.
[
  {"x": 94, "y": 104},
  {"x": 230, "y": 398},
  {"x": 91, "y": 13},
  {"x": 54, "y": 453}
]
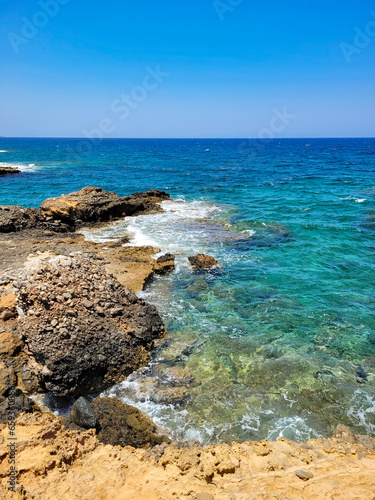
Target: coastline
[{"x": 35, "y": 238}]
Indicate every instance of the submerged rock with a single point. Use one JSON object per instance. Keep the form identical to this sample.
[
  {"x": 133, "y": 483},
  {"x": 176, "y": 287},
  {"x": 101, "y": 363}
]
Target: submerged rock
[
  {"x": 202, "y": 261},
  {"x": 124, "y": 425}
]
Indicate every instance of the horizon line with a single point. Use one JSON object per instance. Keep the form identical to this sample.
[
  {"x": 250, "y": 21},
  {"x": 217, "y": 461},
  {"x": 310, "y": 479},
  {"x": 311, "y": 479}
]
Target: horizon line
[{"x": 186, "y": 138}]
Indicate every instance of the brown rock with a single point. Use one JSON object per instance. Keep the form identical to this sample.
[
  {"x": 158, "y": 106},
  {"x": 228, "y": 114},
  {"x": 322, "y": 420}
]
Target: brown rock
[
  {"x": 8, "y": 307},
  {"x": 9, "y": 170},
  {"x": 201, "y": 261},
  {"x": 165, "y": 264},
  {"x": 344, "y": 434},
  {"x": 92, "y": 204},
  {"x": 96, "y": 347},
  {"x": 9, "y": 345},
  {"x": 125, "y": 425}
]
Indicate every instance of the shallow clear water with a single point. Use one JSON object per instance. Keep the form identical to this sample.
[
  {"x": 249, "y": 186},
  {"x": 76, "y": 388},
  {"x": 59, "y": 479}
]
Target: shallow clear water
[{"x": 280, "y": 339}]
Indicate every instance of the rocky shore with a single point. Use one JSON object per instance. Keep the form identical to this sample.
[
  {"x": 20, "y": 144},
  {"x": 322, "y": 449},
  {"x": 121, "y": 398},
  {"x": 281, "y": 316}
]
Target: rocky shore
[{"x": 72, "y": 325}]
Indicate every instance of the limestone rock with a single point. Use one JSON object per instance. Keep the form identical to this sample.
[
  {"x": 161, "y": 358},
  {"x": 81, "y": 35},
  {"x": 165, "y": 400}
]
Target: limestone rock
[{"x": 92, "y": 204}]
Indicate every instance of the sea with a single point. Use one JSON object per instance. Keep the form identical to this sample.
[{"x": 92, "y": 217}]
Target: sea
[{"x": 279, "y": 339}]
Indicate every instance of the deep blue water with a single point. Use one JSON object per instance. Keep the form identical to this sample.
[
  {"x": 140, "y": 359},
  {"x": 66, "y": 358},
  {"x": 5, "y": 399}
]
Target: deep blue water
[{"x": 281, "y": 339}]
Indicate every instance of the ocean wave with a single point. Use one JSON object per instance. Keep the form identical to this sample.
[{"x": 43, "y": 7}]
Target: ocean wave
[
  {"x": 355, "y": 199},
  {"x": 362, "y": 410}
]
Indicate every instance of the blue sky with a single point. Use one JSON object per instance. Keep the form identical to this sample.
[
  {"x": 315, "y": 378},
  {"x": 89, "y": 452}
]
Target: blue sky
[{"x": 197, "y": 68}]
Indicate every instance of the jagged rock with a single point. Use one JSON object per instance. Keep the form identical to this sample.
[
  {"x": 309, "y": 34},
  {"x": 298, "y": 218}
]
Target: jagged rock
[
  {"x": 202, "y": 261},
  {"x": 15, "y": 218},
  {"x": 125, "y": 425},
  {"x": 93, "y": 204},
  {"x": 9, "y": 170},
  {"x": 165, "y": 264},
  {"x": 89, "y": 349}
]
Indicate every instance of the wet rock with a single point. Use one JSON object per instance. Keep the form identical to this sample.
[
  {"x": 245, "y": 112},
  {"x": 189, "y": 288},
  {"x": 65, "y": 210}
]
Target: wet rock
[
  {"x": 83, "y": 414},
  {"x": 165, "y": 264},
  {"x": 124, "y": 425},
  {"x": 93, "y": 204},
  {"x": 344, "y": 434},
  {"x": 201, "y": 261},
  {"x": 170, "y": 395},
  {"x": 9, "y": 170},
  {"x": 92, "y": 349},
  {"x": 177, "y": 375}
]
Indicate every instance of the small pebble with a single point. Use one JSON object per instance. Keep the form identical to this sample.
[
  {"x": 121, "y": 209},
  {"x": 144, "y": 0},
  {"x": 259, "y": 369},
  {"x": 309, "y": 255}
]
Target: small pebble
[{"x": 302, "y": 475}]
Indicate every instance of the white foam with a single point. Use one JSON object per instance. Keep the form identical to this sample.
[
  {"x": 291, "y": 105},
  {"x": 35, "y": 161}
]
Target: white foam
[
  {"x": 355, "y": 199},
  {"x": 182, "y": 228},
  {"x": 362, "y": 410},
  {"x": 248, "y": 232},
  {"x": 295, "y": 428},
  {"x": 3, "y": 151}
]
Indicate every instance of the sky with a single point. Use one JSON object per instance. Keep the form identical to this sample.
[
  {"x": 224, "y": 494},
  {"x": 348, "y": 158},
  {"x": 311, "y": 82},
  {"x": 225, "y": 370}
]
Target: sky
[{"x": 197, "y": 68}]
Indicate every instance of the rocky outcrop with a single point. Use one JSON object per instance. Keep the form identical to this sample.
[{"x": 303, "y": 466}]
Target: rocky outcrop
[
  {"x": 201, "y": 262},
  {"x": 92, "y": 204},
  {"x": 9, "y": 170},
  {"x": 14, "y": 218},
  {"x": 165, "y": 264},
  {"x": 85, "y": 329},
  {"x": 54, "y": 462}
]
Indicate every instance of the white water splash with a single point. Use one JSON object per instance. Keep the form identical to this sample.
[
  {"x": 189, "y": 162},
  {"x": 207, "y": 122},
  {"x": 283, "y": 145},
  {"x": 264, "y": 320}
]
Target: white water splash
[{"x": 31, "y": 167}]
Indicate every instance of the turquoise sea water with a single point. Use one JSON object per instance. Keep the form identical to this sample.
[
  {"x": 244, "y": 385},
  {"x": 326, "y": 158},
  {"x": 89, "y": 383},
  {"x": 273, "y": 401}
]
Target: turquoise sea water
[{"x": 280, "y": 340}]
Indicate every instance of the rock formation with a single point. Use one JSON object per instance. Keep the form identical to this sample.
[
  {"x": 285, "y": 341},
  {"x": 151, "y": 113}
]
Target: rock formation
[
  {"x": 92, "y": 204},
  {"x": 9, "y": 170},
  {"x": 83, "y": 327},
  {"x": 201, "y": 262},
  {"x": 54, "y": 462}
]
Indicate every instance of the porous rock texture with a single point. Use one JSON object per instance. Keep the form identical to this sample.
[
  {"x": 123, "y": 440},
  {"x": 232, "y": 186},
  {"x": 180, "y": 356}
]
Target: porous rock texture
[
  {"x": 84, "y": 329},
  {"x": 56, "y": 463},
  {"x": 92, "y": 204}
]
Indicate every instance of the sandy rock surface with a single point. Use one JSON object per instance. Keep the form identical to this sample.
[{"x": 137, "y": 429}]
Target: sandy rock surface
[{"x": 55, "y": 463}]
